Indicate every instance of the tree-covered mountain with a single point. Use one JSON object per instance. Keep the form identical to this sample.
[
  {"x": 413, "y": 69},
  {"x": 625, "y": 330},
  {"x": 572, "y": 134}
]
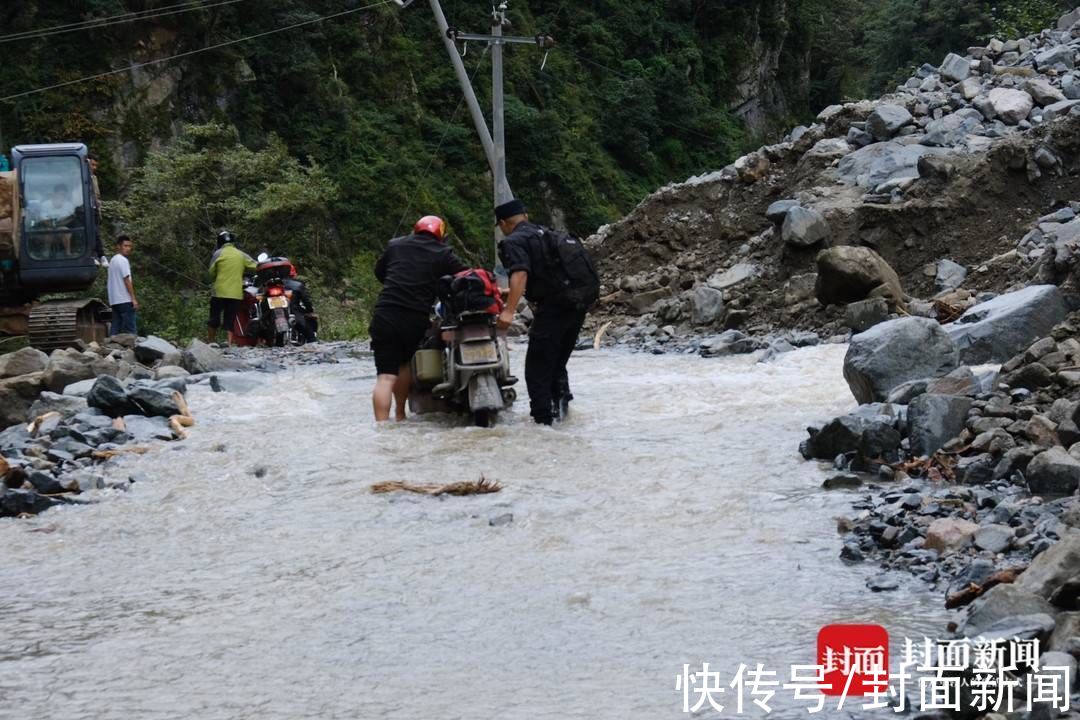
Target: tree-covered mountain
[{"x": 354, "y": 125}]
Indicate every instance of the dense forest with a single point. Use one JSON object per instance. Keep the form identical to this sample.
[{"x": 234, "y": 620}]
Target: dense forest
[{"x": 323, "y": 138}]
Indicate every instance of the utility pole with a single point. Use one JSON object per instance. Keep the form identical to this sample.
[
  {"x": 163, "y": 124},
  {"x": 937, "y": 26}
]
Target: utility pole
[{"x": 494, "y": 143}]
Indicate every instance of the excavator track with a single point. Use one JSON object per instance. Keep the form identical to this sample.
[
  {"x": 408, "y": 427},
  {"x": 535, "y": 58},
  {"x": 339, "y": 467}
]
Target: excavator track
[{"x": 57, "y": 324}]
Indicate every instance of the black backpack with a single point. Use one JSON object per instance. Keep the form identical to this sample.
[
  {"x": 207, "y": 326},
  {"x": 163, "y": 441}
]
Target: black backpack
[{"x": 572, "y": 277}]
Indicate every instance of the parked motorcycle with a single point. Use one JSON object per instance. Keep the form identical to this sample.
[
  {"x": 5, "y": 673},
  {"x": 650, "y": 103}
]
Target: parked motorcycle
[
  {"x": 277, "y": 308},
  {"x": 465, "y": 363}
]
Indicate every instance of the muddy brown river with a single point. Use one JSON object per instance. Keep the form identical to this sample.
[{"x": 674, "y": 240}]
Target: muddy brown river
[{"x": 251, "y": 573}]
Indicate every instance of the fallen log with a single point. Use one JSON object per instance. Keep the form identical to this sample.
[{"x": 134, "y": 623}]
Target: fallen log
[
  {"x": 974, "y": 591},
  {"x": 110, "y": 454},
  {"x": 482, "y": 486}
]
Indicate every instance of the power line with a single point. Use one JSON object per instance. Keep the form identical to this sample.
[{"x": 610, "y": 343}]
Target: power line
[
  {"x": 99, "y": 23},
  {"x": 189, "y": 53}
]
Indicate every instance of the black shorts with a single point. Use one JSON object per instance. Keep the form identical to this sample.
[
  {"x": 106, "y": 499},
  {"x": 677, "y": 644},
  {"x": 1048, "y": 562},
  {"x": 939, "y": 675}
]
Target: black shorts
[
  {"x": 223, "y": 312},
  {"x": 395, "y": 336}
]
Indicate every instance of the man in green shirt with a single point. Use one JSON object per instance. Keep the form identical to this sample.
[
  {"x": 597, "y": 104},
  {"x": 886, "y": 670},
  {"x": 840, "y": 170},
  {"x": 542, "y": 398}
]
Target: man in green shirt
[{"x": 227, "y": 269}]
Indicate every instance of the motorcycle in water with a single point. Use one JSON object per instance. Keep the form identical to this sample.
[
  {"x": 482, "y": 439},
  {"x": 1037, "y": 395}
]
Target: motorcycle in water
[
  {"x": 277, "y": 307},
  {"x": 465, "y": 364}
]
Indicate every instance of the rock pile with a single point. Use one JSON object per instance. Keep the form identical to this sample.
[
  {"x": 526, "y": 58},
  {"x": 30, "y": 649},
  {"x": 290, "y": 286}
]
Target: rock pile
[
  {"x": 67, "y": 412},
  {"x": 935, "y": 183}
]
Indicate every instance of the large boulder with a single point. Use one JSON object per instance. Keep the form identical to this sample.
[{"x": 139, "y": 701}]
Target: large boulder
[
  {"x": 66, "y": 405},
  {"x": 23, "y": 362},
  {"x": 109, "y": 396},
  {"x": 153, "y": 402},
  {"x": 1053, "y": 472},
  {"x": 996, "y": 330},
  {"x": 200, "y": 358},
  {"x": 17, "y": 395},
  {"x": 847, "y": 274},
  {"x": 935, "y": 420},
  {"x": 894, "y": 352},
  {"x": 870, "y": 431},
  {"x": 66, "y": 369},
  {"x": 1008, "y": 105},
  {"x": 881, "y": 162},
  {"x": 1059, "y": 57},
  {"x": 1043, "y": 92},
  {"x": 1001, "y": 602},
  {"x": 952, "y": 129},
  {"x": 886, "y": 121},
  {"x": 804, "y": 227},
  {"x": 955, "y": 68},
  {"x": 151, "y": 349},
  {"x": 1053, "y": 568},
  {"x": 706, "y": 305}
]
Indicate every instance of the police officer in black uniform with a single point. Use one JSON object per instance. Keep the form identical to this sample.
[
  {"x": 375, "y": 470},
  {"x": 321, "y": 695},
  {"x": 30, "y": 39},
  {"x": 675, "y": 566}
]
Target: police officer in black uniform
[{"x": 555, "y": 326}]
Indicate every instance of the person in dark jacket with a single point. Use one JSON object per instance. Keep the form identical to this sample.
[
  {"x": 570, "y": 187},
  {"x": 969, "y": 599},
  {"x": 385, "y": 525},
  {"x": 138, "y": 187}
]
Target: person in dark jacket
[
  {"x": 555, "y": 326},
  {"x": 409, "y": 271}
]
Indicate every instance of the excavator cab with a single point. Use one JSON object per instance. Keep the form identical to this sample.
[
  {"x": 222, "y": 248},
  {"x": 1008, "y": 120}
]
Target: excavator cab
[
  {"x": 48, "y": 238},
  {"x": 57, "y": 232}
]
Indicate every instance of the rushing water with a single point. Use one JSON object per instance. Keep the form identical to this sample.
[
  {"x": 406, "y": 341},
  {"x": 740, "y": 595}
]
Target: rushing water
[{"x": 669, "y": 521}]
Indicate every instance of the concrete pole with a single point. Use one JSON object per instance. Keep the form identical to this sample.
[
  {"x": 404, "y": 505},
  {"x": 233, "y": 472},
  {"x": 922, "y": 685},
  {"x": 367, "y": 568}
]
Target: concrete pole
[
  {"x": 466, "y": 86},
  {"x": 502, "y": 187}
]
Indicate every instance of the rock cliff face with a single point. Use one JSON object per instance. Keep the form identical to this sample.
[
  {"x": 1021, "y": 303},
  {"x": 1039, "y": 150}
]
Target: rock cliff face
[{"x": 961, "y": 180}]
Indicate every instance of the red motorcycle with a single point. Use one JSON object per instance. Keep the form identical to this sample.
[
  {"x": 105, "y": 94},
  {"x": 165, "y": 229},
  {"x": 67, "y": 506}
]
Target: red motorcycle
[{"x": 276, "y": 308}]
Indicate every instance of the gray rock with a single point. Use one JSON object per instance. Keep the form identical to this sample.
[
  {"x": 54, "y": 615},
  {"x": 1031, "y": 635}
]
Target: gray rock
[
  {"x": 169, "y": 372},
  {"x": 23, "y": 362},
  {"x": 952, "y": 129},
  {"x": 847, "y": 274},
  {"x": 882, "y": 162},
  {"x": 706, "y": 305},
  {"x": 151, "y": 349},
  {"x": 736, "y": 274},
  {"x": 994, "y": 538},
  {"x": 886, "y": 120},
  {"x": 201, "y": 358},
  {"x": 1043, "y": 92},
  {"x": 779, "y": 210},
  {"x": 15, "y": 437},
  {"x": 1070, "y": 86},
  {"x": 1002, "y": 602},
  {"x": 842, "y": 481},
  {"x": 66, "y": 405},
  {"x": 1053, "y": 472},
  {"x": 950, "y": 275},
  {"x": 1059, "y": 109},
  {"x": 1009, "y": 106},
  {"x": 935, "y": 420},
  {"x": 63, "y": 370},
  {"x": 1052, "y": 568},
  {"x": 110, "y": 396},
  {"x": 804, "y": 227},
  {"x": 895, "y": 352},
  {"x": 81, "y": 388},
  {"x": 865, "y": 314},
  {"x": 239, "y": 383},
  {"x": 14, "y": 503},
  {"x": 729, "y": 342},
  {"x": 1058, "y": 57},
  {"x": 995, "y": 331},
  {"x": 1069, "y": 19},
  {"x": 17, "y": 394},
  {"x": 144, "y": 429},
  {"x": 904, "y": 393},
  {"x": 955, "y": 68},
  {"x": 152, "y": 403},
  {"x": 872, "y": 430}
]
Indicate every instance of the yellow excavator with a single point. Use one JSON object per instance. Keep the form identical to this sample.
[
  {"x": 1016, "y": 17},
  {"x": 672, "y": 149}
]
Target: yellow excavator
[{"x": 48, "y": 243}]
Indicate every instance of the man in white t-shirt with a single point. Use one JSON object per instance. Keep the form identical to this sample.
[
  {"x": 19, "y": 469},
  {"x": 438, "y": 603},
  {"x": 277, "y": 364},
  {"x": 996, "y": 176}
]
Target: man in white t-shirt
[{"x": 121, "y": 290}]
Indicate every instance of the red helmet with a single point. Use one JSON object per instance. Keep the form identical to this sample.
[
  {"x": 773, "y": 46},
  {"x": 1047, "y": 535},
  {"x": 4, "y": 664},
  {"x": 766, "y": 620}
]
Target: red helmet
[{"x": 432, "y": 225}]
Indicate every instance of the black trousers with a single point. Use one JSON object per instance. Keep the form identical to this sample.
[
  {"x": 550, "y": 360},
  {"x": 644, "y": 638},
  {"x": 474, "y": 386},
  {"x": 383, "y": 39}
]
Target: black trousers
[{"x": 552, "y": 337}]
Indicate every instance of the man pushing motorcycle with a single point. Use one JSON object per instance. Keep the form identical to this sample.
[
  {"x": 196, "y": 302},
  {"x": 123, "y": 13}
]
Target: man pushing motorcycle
[{"x": 409, "y": 271}]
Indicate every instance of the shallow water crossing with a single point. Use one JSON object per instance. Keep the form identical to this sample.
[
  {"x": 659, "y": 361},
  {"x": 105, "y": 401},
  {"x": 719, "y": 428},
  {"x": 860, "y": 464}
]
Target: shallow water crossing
[{"x": 250, "y": 572}]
